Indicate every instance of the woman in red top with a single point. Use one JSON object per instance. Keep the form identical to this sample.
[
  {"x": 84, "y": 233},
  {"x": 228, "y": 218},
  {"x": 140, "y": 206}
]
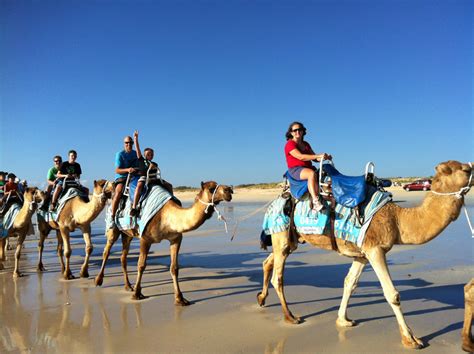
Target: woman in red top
[{"x": 299, "y": 155}]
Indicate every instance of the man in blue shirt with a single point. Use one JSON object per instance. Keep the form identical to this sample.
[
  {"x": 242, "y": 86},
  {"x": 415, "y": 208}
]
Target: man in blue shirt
[{"x": 125, "y": 163}]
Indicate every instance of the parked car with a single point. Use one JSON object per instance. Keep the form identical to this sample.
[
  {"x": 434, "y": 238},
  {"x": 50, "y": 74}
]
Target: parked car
[{"x": 418, "y": 185}]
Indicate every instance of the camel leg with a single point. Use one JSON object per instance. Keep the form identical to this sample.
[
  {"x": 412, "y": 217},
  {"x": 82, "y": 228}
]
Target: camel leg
[
  {"x": 467, "y": 342},
  {"x": 21, "y": 239},
  {"x": 60, "y": 250},
  {"x": 67, "y": 274},
  {"x": 8, "y": 246},
  {"x": 281, "y": 250},
  {"x": 144, "y": 249},
  {"x": 86, "y": 234},
  {"x": 350, "y": 284},
  {"x": 2, "y": 252},
  {"x": 267, "y": 271},
  {"x": 378, "y": 261},
  {"x": 42, "y": 238},
  {"x": 126, "y": 240},
  {"x": 112, "y": 236},
  {"x": 174, "y": 270}
]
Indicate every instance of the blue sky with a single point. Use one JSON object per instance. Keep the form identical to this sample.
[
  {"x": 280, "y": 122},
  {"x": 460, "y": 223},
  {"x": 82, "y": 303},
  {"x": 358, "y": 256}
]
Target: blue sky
[{"x": 213, "y": 85}]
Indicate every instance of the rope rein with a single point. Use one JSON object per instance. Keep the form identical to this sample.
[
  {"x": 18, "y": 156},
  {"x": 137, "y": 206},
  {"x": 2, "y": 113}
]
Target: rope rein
[{"x": 219, "y": 215}]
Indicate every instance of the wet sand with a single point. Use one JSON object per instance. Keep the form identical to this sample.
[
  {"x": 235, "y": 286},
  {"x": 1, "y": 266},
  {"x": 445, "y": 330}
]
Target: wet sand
[{"x": 40, "y": 312}]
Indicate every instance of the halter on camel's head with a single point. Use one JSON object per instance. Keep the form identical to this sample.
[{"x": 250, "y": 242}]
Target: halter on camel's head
[
  {"x": 104, "y": 189},
  {"x": 217, "y": 193},
  {"x": 34, "y": 197},
  {"x": 453, "y": 185},
  {"x": 455, "y": 171}
]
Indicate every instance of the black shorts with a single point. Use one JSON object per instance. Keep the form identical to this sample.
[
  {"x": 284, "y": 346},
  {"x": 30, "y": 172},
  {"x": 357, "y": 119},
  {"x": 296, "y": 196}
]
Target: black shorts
[{"x": 120, "y": 180}]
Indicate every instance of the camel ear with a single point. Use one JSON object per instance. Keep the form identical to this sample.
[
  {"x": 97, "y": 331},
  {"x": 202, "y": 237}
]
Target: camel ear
[
  {"x": 202, "y": 185},
  {"x": 443, "y": 169},
  {"x": 95, "y": 183},
  {"x": 466, "y": 168}
]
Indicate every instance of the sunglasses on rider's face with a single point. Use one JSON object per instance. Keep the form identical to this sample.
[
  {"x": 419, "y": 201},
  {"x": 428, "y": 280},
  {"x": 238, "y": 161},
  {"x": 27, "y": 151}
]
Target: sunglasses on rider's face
[
  {"x": 57, "y": 161},
  {"x": 298, "y": 130},
  {"x": 128, "y": 142}
]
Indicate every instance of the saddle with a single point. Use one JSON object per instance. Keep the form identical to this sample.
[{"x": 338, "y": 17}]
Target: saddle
[{"x": 335, "y": 187}]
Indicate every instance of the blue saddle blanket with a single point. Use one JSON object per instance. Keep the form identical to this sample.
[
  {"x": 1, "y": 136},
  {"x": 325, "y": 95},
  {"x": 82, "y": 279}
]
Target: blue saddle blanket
[
  {"x": 8, "y": 219},
  {"x": 154, "y": 201},
  {"x": 349, "y": 191},
  {"x": 54, "y": 215},
  {"x": 347, "y": 225},
  {"x": 298, "y": 187}
]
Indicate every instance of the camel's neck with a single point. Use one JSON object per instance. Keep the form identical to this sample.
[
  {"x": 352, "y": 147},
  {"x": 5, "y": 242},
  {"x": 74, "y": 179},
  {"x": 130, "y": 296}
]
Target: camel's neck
[
  {"x": 422, "y": 224},
  {"x": 180, "y": 220},
  {"x": 89, "y": 211},
  {"x": 24, "y": 215}
]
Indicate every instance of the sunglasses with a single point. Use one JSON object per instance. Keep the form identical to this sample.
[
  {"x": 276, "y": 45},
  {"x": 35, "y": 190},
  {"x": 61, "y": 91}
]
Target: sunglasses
[
  {"x": 57, "y": 161},
  {"x": 298, "y": 130},
  {"x": 128, "y": 142}
]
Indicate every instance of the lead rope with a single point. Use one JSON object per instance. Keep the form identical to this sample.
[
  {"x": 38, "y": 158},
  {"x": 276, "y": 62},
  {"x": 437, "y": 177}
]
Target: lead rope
[
  {"x": 219, "y": 215},
  {"x": 459, "y": 194},
  {"x": 468, "y": 220},
  {"x": 245, "y": 217}
]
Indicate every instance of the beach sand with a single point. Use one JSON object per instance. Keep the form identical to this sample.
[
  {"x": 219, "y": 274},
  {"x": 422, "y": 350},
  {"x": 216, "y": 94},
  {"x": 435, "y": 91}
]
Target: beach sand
[{"x": 40, "y": 312}]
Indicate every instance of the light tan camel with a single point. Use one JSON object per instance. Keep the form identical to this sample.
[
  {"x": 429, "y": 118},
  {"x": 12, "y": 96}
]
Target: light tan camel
[
  {"x": 467, "y": 342},
  {"x": 391, "y": 225},
  {"x": 168, "y": 224},
  {"x": 75, "y": 214},
  {"x": 21, "y": 225}
]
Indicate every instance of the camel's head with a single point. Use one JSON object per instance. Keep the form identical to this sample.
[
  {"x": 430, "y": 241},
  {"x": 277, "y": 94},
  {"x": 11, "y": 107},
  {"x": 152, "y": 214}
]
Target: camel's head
[
  {"x": 103, "y": 189},
  {"x": 452, "y": 176},
  {"x": 34, "y": 197},
  {"x": 212, "y": 192}
]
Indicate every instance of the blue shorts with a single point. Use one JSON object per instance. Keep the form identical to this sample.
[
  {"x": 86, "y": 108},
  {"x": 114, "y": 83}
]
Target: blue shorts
[{"x": 296, "y": 171}]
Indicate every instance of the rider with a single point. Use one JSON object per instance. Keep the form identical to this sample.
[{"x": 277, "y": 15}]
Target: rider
[
  {"x": 2, "y": 183},
  {"x": 299, "y": 155},
  {"x": 51, "y": 178},
  {"x": 11, "y": 189},
  {"x": 68, "y": 170},
  {"x": 125, "y": 162},
  {"x": 145, "y": 166}
]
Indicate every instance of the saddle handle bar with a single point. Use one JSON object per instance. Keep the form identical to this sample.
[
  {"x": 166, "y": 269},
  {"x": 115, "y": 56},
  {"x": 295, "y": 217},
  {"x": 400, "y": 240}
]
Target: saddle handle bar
[{"x": 321, "y": 183}]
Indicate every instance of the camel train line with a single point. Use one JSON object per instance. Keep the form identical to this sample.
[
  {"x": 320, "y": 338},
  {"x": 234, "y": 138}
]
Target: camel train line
[{"x": 391, "y": 225}]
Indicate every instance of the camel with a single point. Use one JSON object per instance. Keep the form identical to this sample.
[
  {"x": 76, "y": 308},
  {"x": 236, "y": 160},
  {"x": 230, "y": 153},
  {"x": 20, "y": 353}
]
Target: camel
[
  {"x": 391, "y": 225},
  {"x": 467, "y": 342},
  {"x": 76, "y": 213},
  {"x": 168, "y": 224},
  {"x": 22, "y": 224}
]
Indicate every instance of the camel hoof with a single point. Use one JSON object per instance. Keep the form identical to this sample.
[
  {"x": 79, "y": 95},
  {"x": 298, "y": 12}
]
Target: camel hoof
[
  {"x": 2, "y": 267},
  {"x": 260, "y": 299},
  {"x": 342, "y": 322},
  {"x": 69, "y": 276},
  {"x": 413, "y": 342},
  {"x": 98, "y": 281},
  {"x": 128, "y": 287},
  {"x": 182, "y": 302},
  {"x": 17, "y": 275},
  {"x": 41, "y": 268},
  {"x": 84, "y": 274},
  {"x": 139, "y": 296},
  {"x": 468, "y": 346},
  {"x": 293, "y": 320}
]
